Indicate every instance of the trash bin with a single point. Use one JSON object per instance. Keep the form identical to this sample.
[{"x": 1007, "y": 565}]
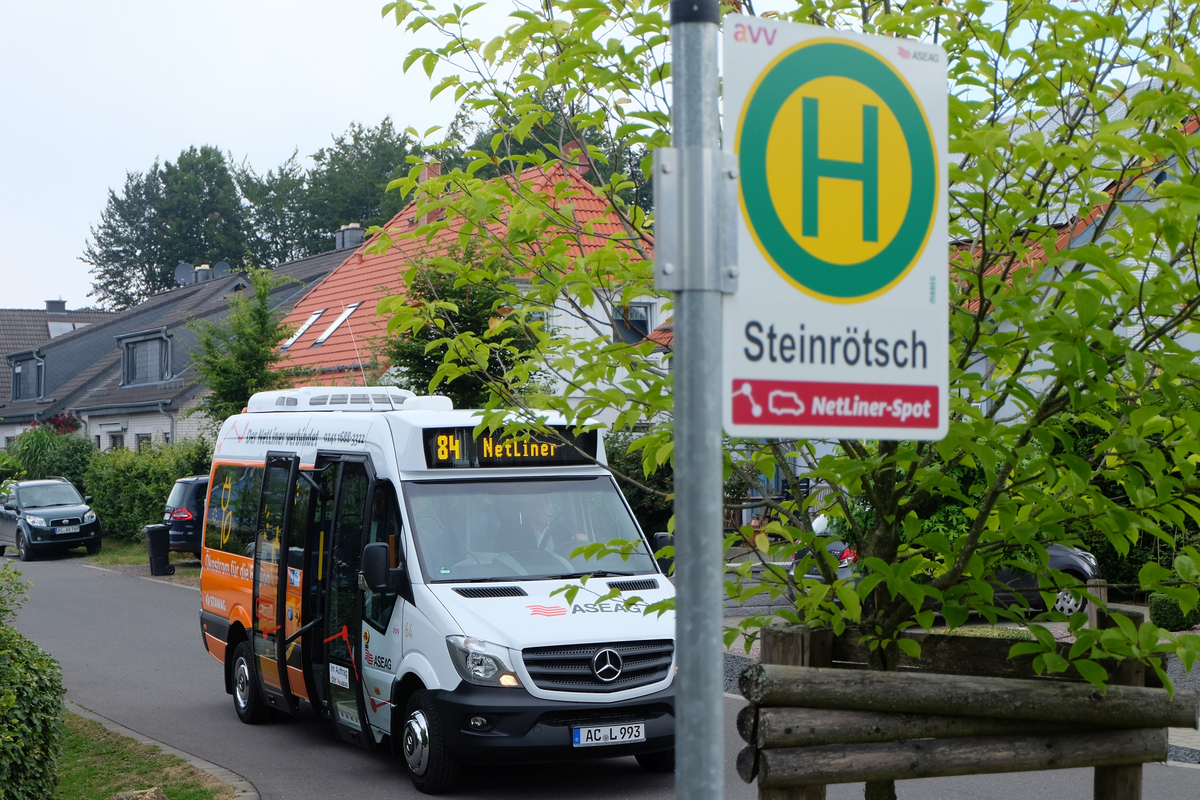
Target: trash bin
[{"x": 158, "y": 545}]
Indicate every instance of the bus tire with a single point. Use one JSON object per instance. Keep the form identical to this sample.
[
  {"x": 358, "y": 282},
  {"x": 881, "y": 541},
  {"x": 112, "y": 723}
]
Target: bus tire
[
  {"x": 246, "y": 698},
  {"x": 430, "y": 766}
]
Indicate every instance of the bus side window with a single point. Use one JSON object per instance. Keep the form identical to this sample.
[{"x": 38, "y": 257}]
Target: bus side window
[
  {"x": 385, "y": 527},
  {"x": 233, "y": 500}
]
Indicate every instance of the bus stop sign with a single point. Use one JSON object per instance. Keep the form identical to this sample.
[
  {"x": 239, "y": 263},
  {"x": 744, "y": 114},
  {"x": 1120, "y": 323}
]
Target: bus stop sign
[{"x": 839, "y": 327}]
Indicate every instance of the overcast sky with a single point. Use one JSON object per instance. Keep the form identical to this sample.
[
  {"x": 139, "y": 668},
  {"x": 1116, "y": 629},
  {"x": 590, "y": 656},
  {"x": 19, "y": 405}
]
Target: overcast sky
[{"x": 90, "y": 90}]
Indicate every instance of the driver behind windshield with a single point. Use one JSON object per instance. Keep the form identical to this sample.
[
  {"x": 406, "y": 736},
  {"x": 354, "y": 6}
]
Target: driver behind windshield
[{"x": 535, "y": 530}]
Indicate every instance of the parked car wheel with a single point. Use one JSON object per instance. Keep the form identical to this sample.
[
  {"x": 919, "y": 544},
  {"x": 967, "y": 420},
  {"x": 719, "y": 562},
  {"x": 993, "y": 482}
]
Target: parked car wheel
[
  {"x": 662, "y": 761},
  {"x": 430, "y": 766},
  {"x": 93, "y": 548},
  {"x": 2, "y": 549},
  {"x": 1067, "y": 604},
  {"x": 246, "y": 700},
  {"x": 23, "y": 551}
]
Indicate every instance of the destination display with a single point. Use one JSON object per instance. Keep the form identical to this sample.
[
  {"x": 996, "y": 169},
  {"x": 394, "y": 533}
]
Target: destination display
[{"x": 458, "y": 448}]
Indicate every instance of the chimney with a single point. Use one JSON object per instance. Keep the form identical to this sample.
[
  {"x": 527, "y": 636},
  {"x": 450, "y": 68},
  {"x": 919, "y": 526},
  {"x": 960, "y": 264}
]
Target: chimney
[
  {"x": 432, "y": 169},
  {"x": 202, "y": 273},
  {"x": 56, "y": 306},
  {"x": 351, "y": 235},
  {"x": 574, "y": 158}
]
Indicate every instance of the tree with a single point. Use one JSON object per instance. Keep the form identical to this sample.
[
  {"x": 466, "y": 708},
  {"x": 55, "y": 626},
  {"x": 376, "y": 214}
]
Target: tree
[
  {"x": 200, "y": 213},
  {"x": 124, "y": 251},
  {"x": 187, "y": 211},
  {"x": 235, "y": 357},
  {"x": 349, "y": 180},
  {"x": 1047, "y": 329},
  {"x": 277, "y": 225},
  {"x": 463, "y": 311}
]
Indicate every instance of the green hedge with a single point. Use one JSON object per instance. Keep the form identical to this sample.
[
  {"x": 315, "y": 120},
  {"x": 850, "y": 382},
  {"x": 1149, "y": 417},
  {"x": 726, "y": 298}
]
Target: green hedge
[
  {"x": 129, "y": 489},
  {"x": 31, "y": 696},
  {"x": 1166, "y": 613},
  {"x": 41, "y": 452}
]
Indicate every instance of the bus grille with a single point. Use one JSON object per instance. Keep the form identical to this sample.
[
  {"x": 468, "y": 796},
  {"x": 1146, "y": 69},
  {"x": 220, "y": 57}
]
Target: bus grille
[{"x": 568, "y": 668}]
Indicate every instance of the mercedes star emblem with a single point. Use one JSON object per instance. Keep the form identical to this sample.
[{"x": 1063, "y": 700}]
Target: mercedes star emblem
[{"x": 607, "y": 664}]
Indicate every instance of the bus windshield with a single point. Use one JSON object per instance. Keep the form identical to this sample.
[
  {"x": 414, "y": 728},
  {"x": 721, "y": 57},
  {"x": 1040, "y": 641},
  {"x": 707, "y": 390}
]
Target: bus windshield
[{"x": 514, "y": 530}]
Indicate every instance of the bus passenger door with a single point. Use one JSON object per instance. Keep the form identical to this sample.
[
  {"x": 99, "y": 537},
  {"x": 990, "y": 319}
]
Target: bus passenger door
[
  {"x": 343, "y": 651},
  {"x": 271, "y": 546},
  {"x": 383, "y": 612}
]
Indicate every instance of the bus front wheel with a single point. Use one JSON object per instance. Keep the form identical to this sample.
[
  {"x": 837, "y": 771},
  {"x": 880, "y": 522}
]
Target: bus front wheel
[
  {"x": 246, "y": 699},
  {"x": 430, "y": 766}
]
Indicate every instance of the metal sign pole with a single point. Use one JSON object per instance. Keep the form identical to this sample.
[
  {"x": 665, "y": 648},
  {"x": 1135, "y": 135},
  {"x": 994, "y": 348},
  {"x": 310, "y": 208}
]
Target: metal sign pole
[{"x": 700, "y": 729}]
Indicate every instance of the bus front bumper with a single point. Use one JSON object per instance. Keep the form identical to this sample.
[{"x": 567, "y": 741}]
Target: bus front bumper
[{"x": 521, "y": 727}]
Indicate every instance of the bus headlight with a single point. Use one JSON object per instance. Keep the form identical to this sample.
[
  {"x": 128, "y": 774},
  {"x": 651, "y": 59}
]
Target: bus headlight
[{"x": 481, "y": 663}]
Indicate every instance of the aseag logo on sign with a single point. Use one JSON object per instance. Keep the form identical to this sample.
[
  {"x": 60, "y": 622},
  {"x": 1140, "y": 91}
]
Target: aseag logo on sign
[{"x": 839, "y": 186}]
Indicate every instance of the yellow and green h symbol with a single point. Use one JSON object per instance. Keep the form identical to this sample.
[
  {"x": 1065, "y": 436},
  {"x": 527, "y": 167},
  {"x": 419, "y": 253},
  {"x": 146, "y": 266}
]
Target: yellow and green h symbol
[{"x": 814, "y": 168}]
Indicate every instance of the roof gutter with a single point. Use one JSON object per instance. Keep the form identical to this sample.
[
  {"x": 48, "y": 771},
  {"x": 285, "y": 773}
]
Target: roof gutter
[
  {"x": 170, "y": 419},
  {"x": 149, "y": 404}
]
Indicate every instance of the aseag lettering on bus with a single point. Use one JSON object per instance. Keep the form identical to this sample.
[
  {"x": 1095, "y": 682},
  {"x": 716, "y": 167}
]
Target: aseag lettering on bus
[{"x": 366, "y": 554}]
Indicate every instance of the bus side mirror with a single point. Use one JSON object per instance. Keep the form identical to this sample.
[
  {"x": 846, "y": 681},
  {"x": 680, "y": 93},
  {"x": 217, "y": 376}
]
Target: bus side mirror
[
  {"x": 660, "y": 540},
  {"x": 375, "y": 571}
]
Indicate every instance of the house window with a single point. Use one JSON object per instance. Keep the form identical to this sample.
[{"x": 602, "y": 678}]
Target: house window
[
  {"x": 28, "y": 379},
  {"x": 98, "y": 445},
  {"x": 345, "y": 315},
  {"x": 145, "y": 361},
  {"x": 116, "y": 441},
  {"x": 142, "y": 441},
  {"x": 633, "y": 322},
  {"x": 303, "y": 329},
  {"x": 166, "y": 438}
]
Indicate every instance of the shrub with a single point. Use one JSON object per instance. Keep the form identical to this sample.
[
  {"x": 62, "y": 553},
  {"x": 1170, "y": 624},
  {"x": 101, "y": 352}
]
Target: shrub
[
  {"x": 31, "y": 694},
  {"x": 129, "y": 488},
  {"x": 1166, "y": 613},
  {"x": 41, "y": 452},
  {"x": 653, "y": 511}
]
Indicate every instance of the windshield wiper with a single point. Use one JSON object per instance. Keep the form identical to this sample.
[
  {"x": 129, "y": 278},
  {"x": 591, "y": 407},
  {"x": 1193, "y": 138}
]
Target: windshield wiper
[{"x": 597, "y": 574}]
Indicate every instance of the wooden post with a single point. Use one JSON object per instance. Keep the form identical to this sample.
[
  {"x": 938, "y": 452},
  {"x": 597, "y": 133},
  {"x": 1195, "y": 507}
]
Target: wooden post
[
  {"x": 795, "y": 646},
  {"x": 1122, "y": 782},
  {"x": 1096, "y": 615}
]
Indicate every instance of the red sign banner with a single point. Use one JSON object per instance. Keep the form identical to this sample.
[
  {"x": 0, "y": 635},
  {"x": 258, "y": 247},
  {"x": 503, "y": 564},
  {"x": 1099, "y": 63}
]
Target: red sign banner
[{"x": 763, "y": 402}]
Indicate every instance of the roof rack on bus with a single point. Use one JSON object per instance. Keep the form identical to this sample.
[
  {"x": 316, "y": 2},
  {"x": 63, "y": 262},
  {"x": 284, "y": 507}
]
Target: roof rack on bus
[{"x": 344, "y": 398}]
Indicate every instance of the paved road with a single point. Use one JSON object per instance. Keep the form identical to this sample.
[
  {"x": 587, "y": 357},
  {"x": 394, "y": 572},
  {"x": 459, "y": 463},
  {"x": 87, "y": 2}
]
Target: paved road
[{"x": 130, "y": 650}]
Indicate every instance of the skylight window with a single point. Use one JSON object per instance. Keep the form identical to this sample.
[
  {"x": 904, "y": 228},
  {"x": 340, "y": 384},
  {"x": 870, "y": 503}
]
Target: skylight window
[
  {"x": 345, "y": 315},
  {"x": 303, "y": 329}
]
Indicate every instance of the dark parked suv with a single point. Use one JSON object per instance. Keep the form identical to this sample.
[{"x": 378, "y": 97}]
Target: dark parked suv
[
  {"x": 1073, "y": 561},
  {"x": 44, "y": 516},
  {"x": 184, "y": 513}
]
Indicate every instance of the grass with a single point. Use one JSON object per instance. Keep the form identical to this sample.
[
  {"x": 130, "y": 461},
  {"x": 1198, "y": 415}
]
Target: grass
[
  {"x": 119, "y": 551},
  {"x": 97, "y": 763}
]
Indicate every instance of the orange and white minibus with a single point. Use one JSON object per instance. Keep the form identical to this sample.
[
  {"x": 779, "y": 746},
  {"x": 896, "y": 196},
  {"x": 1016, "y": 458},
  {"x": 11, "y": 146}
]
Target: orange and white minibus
[{"x": 366, "y": 553}]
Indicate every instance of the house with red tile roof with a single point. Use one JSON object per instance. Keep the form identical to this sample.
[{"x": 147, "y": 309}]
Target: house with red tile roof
[{"x": 339, "y": 335}]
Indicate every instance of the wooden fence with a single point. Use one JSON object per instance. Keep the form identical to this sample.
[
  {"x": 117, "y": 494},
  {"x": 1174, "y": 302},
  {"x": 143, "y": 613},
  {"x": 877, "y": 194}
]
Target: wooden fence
[{"x": 816, "y": 716}]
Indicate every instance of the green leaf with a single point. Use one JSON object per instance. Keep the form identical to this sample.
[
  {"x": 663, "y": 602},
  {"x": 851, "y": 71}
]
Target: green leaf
[
  {"x": 910, "y": 647},
  {"x": 1091, "y": 672}
]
